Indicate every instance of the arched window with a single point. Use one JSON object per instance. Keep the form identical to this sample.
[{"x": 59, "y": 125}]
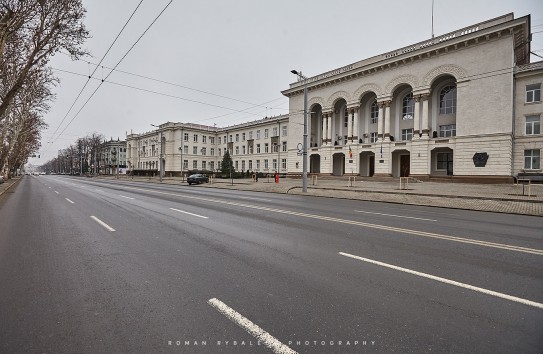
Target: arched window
[
  {"x": 408, "y": 107},
  {"x": 447, "y": 100},
  {"x": 374, "y": 112}
]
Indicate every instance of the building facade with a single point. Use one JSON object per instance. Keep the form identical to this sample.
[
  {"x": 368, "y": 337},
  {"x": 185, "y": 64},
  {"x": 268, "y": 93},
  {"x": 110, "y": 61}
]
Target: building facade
[
  {"x": 258, "y": 146},
  {"x": 112, "y": 157},
  {"x": 465, "y": 105},
  {"x": 437, "y": 108}
]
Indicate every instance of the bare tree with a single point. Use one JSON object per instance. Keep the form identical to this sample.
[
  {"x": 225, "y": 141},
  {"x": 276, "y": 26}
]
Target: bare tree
[{"x": 31, "y": 32}]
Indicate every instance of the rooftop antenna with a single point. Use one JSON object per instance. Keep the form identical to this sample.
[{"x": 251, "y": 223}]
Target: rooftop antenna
[{"x": 432, "y": 19}]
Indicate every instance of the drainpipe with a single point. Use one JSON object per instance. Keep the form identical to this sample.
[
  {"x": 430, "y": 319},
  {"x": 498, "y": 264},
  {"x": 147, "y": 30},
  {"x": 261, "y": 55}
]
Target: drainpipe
[{"x": 513, "y": 125}]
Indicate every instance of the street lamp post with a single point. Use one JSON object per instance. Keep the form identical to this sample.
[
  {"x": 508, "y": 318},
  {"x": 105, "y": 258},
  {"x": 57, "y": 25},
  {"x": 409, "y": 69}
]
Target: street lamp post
[
  {"x": 160, "y": 162},
  {"x": 304, "y": 151}
]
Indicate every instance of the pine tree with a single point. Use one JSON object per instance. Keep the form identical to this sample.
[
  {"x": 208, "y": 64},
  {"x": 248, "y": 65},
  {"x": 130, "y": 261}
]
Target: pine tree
[{"x": 226, "y": 164}]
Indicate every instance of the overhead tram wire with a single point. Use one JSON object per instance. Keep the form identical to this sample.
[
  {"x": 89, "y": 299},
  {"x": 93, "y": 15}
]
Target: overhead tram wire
[
  {"x": 170, "y": 95},
  {"x": 118, "y": 63},
  {"x": 179, "y": 85},
  {"x": 97, "y": 66}
]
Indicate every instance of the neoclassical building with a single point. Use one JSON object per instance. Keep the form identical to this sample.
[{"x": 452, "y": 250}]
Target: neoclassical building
[
  {"x": 257, "y": 146},
  {"x": 453, "y": 105},
  {"x": 465, "y": 105}
]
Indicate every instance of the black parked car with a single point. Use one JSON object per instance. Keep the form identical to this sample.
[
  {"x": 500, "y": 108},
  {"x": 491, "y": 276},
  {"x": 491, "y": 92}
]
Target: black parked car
[{"x": 197, "y": 179}]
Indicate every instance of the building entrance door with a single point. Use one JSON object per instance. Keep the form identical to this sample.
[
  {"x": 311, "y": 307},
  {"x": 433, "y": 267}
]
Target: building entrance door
[{"x": 404, "y": 165}]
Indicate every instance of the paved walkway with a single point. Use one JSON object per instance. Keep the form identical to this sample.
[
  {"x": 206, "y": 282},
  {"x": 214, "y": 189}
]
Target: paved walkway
[{"x": 501, "y": 198}]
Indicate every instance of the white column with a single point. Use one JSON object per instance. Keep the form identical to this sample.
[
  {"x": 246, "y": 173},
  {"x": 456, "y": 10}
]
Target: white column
[
  {"x": 416, "y": 119},
  {"x": 324, "y": 125},
  {"x": 387, "y": 121},
  {"x": 380, "y": 121},
  {"x": 350, "y": 114},
  {"x": 355, "y": 125},
  {"x": 330, "y": 128},
  {"x": 425, "y": 127}
]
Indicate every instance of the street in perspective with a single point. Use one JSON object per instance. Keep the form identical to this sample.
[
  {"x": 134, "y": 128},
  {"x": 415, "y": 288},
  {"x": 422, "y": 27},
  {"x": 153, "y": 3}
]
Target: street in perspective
[
  {"x": 116, "y": 265},
  {"x": 271, "y": 177}
]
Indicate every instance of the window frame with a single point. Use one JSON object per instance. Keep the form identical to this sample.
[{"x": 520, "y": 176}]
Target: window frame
[
  {"x": 533, "y": 90},
  {"x": 535, "y": 125},
  {"x": 447, "y": 105},
  {"x": 533, "y": 158}
]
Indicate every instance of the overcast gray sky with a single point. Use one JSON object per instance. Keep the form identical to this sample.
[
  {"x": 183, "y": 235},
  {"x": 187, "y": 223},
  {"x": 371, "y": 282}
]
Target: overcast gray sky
[{"x": 240, "y": 49}]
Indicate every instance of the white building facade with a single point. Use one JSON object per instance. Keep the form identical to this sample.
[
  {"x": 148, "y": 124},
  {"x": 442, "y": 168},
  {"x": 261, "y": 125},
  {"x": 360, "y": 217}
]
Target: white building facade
[
  {"x": 439, "y": 108},
  {"x": 258, "y": 146},
  {"x": 465, "y": 105}
]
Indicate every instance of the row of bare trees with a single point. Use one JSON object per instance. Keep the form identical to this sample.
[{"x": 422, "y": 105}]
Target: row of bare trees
[
  {"x": 83, "y": 156},
  {"x": 31, "y": 32}
]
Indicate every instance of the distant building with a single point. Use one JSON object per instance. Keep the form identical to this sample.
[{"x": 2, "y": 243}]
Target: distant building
[
  {"x": 112, "y": 157},
  {"x": 465, "y": 105}
]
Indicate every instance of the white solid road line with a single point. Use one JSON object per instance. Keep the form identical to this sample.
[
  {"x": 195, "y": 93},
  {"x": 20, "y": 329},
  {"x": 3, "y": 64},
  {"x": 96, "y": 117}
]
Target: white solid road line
[
  {"x": 353, "y": 222},
  {"x": 109, "y": 228},
  {"x": 69, "y": 200},
  {"x": 99, "y": 190},
  {"x": 56, "y": 192},
  {"x": 267, "y": 339},
  {"x": 186, "y": 212},
  {"x": 396, "y": 216},
  {"x": 126, "y": 197},
  {"x": 448, "y": 281}
]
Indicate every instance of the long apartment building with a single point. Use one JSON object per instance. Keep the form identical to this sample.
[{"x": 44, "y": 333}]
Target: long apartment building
[
  {"x": 258, "y": 146},
  {"x": 464, "y": 105}
]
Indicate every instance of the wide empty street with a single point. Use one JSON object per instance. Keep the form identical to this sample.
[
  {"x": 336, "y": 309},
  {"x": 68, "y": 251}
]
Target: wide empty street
[{"x": 90, "y": 265}]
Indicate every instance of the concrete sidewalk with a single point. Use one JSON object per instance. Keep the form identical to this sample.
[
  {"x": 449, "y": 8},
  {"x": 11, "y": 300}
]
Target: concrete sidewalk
[{"x": 501, "y": 198}]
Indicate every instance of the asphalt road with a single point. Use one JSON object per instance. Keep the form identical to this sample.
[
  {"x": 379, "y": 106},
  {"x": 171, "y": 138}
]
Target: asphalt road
[{"x": 107, "y": 266}]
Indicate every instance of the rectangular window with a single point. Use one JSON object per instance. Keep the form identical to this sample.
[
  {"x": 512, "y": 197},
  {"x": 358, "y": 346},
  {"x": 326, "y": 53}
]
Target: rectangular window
[
  {"x": 243, "y": 149},
  {"x": 212, "y": 140},
  {"x": 275, "y": 131},
  {"x": 373, "y": 137},
  {"x": 195, "y": 150},
  {"x": 250, "y": 135},
  {"x": 243, "y": 165},
  {"x": 230, "y": 137},
  {"x": 242, "y": 136},
  {"x": 220, "y": 140},
  {"x": 225, "y": 141},
  {"x": 250, "y": 164},
  {"x": 203, "y": 165},
  {"x": 443, "y": 159},
  {"x": 284, "y": 130},
  {"x": 258, "y": 164},
  {"x": 284, "y": 146},
  {"x": 237, "y": 150},
  {"x": 257, "y": 134},
  {"x": 185, "y": 149},
  {"x": 186, "y": 137},
  {"x": 533, "y": 125},
  {"x": 275, "y": 147},
  {"x": 195, "y": 138},
  {"x": 204, "y": 151},
  {"x": 275, "y": 164},
  {"x": 204, "y": 139},
  {"x": 266, "y": 148},
  {"x": 284, "y": 164},
  {"x": 237, "y": 138},
  {"x": 212, "y": 165},
  {"x": 194, "y": 164},
  {"x": 185, "y": 164},
  {"x": 258, "y": 148},
  {"x": 447, "y": 130},
  {"x": 407, "y": 134},
  {"x": 532, "y": 159},
  {"x": 212, "y": 152},
  {"x": 266, "y": 133},
  {"x": 266, "y": 166},
  {"x": 533, "y": 93}
]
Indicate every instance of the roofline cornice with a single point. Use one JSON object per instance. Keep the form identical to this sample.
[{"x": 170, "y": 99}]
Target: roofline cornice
[{"x": 467, "y": 36}]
